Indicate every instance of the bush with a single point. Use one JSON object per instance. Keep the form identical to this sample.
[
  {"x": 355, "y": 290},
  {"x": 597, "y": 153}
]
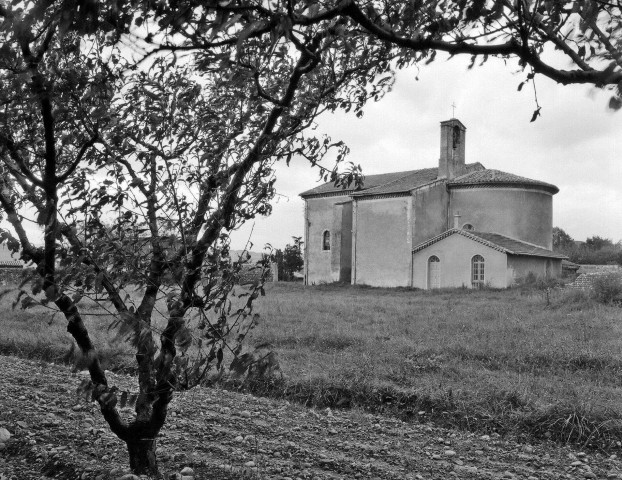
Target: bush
[
  {"x": 532, "y": 282},
  {"x": 575, "y": 299},
  {"x": 607, "y": 288}
]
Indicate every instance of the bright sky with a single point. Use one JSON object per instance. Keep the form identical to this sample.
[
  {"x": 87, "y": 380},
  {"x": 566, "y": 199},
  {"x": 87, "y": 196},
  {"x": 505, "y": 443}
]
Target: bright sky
[{"x": 576, "y": 144}]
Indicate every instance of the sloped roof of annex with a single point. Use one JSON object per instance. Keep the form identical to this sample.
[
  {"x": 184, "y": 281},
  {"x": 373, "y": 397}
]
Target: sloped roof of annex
[{"x": 495, "y": 241}]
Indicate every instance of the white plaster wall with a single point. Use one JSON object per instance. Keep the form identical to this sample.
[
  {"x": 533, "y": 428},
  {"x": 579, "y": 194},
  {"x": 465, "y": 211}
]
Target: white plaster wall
[
  {"x": 382, "y": 245},
  {"x": 455, "y": 253}
]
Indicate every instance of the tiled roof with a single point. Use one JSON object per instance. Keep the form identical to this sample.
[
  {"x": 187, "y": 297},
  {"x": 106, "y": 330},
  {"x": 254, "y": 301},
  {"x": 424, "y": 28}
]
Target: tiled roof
[
  {"x": 370, "y": 181},
  {"x": 387, "y": 183},
  {"x": 517, "y": 247},
  {"x": 499, "y": 178},
  {"x": 498, "y": 242},
  {"x": 412, "y": 181},
  {"x": 402, "y": 184},
  {"x": 11, "y": 264},
  {"x": 570, "y": 265}
]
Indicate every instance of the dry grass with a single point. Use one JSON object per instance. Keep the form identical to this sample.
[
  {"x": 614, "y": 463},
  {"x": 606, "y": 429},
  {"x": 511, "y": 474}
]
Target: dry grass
[
  {"x": 492, "y": 358},
  {"x": 483, "y": 360}
]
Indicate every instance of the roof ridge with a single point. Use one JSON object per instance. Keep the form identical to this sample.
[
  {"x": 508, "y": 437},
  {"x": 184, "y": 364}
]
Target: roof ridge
[
  {"x": 399, "y": 179},
  {"x": 485, "y": 241}
]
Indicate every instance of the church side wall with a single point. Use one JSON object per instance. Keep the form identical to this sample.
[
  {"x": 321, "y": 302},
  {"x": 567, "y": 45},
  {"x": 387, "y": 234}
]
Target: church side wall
[
  {"x": 430, "y": 212},
  {"x": 517, "y": 213},
  {"x": 344, "y": 262},
  {"x": 320, "y": 213},
  {"x": 455, "y": 253},
  {"x": 382, "y": 252}
]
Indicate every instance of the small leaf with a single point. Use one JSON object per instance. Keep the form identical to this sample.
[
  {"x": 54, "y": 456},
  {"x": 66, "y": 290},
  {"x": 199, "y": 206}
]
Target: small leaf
[
  {"x": 241, "y": 363},
  {"x": 520, "y": 86},
  {"x": 183, "y": 339},
  {"x": 615, "y": 103},
  {"x": 50, "y": 293},
  {"x": 219, "y": 357},
  {"x": 28, "y": 301},
  {"x": 536, "y": 114}
]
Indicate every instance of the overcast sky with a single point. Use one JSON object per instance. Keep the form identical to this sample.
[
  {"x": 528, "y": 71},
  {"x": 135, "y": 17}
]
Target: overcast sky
[{"x": 576, "y": 144}]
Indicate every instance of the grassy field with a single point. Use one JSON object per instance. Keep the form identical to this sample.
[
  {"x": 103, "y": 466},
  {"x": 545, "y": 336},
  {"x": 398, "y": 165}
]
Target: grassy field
[{"x": 482, "y": 360}]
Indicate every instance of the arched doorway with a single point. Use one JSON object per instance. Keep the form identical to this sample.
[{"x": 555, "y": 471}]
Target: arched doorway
[{"x": 434, "y": 272}]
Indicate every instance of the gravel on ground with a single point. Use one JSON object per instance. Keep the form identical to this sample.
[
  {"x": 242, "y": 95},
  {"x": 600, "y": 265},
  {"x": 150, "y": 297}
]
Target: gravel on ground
[{"x": 47, "y": 431}]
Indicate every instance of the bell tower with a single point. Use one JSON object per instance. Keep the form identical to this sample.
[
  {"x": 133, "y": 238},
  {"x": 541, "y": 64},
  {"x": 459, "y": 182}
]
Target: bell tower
[{"x": 453, "y": 137}]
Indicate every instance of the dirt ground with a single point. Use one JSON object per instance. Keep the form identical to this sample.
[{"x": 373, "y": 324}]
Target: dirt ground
[{"x": 227, "y": 435}]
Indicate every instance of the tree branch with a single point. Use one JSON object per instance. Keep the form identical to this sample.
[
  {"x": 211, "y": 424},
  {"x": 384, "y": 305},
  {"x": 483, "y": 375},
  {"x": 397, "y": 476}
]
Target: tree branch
[
  {"x": 19, "y": 161},
  {"x": 88, "y": 144},
  {"x": 512, "y": 47}
]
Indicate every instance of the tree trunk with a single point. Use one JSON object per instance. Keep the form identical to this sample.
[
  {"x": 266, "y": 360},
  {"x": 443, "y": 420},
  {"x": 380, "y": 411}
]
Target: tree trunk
[{"x": 143, "y": 457}]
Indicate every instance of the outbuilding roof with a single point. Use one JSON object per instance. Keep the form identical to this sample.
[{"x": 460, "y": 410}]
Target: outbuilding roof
[
  {"x": 500, "y": 179},
  {"x": 496, "y": 241},
  {"x": 11, "y": 264},
  {"x": 387, "y": 183}
]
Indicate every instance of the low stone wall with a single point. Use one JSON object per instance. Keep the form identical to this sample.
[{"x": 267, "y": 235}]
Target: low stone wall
[
  {"x": 585, "y": 281},
  {"x": 599, "y": 269}
]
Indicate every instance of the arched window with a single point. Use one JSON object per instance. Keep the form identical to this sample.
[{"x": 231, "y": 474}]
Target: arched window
[
  {"x": 434, "y": 272},
  {"x": 467, "y": 226},
  {"x": 326, "y": 240},
  {"x": 477, "y": 271}
]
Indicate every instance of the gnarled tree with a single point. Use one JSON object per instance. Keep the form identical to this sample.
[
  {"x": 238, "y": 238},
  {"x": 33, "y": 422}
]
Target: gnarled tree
[
  {"x": 138, "y": 174},
  {"x": 139, "y": 134}
]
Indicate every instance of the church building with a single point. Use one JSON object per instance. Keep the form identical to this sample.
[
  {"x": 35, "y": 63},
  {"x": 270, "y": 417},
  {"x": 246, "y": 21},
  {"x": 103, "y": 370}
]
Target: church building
[{"x": 458, "y": 224}]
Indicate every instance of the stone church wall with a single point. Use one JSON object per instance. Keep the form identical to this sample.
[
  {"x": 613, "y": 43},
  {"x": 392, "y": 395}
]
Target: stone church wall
[
  {"x": 518, "y": 213},
  {"x": 430, "y": 212},
  {"x": 319, "y": 217},
  {"x": 341, "y": 248},
  {"x": 383, "y": 242}
]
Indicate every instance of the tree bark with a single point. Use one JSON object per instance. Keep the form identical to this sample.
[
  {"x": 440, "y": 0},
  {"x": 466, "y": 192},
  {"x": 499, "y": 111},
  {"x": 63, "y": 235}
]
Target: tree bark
[{"x": 142, "y": 453}]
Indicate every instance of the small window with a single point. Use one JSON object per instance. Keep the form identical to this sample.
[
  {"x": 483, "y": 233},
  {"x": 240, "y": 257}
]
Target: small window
[
  {"x": 477, "y": 271},
  {"x": 467, "y": 226},
  {"x": 326, "y": 240}
]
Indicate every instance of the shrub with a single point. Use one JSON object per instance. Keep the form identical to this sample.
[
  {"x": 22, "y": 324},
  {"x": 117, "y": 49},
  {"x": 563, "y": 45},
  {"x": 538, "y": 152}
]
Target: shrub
[
  {"x": 576, "y": 299},
  {"x": 607, "y": 288}
]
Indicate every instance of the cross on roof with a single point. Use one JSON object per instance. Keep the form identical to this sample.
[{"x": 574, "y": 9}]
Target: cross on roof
[{"x": 453, "y": 110}]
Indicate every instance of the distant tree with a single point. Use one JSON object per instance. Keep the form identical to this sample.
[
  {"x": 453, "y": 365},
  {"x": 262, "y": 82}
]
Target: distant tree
[
  {"x": 277, "y": 257},
  {"x": 597, "y": 243},
  {"x": 561, "y": 240},
  {"x": 292, "y": 259}
]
